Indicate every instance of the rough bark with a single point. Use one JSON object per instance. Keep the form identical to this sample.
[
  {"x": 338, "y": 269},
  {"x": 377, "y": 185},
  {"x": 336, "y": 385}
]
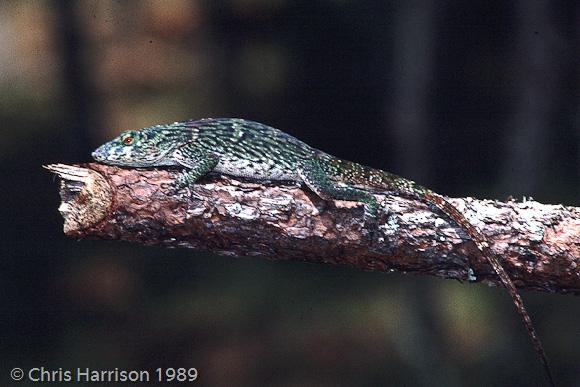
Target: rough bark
[{"x": 538, "y": 244}]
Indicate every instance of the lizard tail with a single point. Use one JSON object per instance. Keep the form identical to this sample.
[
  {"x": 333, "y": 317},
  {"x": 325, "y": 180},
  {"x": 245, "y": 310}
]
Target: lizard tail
[
  {"x": 378, "y": 180},
  {"x": 484, "y": 247}
]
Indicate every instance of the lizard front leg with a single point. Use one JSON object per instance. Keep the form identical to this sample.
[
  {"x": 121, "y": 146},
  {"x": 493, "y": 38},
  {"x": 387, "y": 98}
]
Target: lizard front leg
[
  {"x": 318, "y": 181},
  {"x": 197, "y": 164}
]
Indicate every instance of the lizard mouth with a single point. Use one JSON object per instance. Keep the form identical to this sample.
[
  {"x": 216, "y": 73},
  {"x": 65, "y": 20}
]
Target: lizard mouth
[
  {"x": 112, "y": 156},
  {"x": 124, "y": 157},
  {"x": 100, "y": 154}
]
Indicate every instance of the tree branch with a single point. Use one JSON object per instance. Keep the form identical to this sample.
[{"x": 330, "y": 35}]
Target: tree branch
[{"x": 538, "y": 244}]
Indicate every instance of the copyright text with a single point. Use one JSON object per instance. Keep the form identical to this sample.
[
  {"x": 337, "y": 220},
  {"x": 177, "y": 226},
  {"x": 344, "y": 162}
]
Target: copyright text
[{"x": 115, "y": 375}]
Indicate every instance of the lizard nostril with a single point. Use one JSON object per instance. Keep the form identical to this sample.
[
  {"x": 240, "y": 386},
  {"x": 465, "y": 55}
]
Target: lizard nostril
[{"x": 97, "y": 155}]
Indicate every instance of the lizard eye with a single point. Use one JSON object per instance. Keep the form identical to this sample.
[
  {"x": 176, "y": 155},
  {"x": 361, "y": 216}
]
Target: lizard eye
[{"x": 128, "y": 140}]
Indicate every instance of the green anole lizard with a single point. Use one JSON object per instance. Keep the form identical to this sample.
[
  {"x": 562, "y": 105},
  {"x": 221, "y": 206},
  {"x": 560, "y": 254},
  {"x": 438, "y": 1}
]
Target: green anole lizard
[{"x": 249, "y": 149}]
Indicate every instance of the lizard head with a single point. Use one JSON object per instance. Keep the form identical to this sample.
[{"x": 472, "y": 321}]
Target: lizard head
[{"x": 146, "y": 147}]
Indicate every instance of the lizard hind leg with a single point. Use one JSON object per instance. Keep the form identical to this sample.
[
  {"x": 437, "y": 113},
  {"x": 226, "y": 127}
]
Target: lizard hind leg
[{"x": 318, "y": 181}]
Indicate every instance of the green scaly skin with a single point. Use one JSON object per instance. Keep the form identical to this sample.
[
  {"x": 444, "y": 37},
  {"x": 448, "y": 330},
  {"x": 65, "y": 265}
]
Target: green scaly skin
[{"x": 249, "y": 149}]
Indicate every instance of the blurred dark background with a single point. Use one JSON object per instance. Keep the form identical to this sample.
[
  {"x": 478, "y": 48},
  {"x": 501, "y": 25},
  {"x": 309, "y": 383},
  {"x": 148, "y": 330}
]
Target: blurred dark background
[{"x": 475, "y": 98}]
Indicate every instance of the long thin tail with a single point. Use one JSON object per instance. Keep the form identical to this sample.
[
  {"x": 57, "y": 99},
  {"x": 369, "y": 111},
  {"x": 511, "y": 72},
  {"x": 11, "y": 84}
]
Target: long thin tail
[
  {"x": 483, "y": 245},
  {"x": 376, "y": 179}
]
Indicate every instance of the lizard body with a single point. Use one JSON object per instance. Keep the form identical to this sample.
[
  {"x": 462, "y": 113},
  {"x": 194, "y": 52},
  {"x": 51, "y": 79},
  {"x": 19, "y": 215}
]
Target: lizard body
[{"x": 249, "y": 149}]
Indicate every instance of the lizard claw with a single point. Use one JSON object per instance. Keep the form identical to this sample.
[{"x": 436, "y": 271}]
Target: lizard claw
[
  {"x": 175, "y": 188},
  {"x": 182, "y": 190}
]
